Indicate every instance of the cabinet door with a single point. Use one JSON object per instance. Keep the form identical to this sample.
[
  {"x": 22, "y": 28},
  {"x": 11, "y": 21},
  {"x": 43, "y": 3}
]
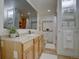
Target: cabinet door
[
  {"x": 8, "y": 48},
  {"x": 28, "y": 54},
  {"x": 43, "y": 43},
  {"x": 3, "y": 50},
  {"x": 36, "y": 51},
  {"x": 40, "y": 46}
]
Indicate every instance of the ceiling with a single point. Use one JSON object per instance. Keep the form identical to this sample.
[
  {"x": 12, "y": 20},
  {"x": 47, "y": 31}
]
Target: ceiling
[{"x": 43, "y": 6}]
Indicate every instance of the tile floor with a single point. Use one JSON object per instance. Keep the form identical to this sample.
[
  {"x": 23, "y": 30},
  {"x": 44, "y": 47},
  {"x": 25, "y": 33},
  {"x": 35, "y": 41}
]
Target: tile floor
[
  {"x": 48, "y": 56},
  {"x": 50, "y": 46}
]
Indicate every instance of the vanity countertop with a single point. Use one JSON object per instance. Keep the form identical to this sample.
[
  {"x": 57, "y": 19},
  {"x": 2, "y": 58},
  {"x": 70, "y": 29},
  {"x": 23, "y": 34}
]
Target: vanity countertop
[{"x": 22, "y": 38}]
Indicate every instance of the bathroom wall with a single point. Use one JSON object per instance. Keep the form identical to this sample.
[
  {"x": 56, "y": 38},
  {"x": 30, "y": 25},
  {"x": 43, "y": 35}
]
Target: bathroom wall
[{"x": 1, "y": 16}]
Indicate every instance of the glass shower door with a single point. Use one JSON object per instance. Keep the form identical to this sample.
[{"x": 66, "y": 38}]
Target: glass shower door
[{"x": 68, "y": 26}]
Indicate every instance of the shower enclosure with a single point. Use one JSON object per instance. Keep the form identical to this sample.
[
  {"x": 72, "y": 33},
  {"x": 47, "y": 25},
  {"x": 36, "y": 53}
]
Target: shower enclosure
[{"x": 68, "y": 27}]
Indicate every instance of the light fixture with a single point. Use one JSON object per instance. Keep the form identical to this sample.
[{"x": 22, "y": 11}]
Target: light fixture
[
  {"x": 10, "y": 13},
  {"x": 49, "y": 10}
]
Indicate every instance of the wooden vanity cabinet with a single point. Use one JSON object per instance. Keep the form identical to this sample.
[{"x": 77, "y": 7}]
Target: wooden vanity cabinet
[
  {"x": 16, "y": 50},
  {"x": 31, "y": 49}
]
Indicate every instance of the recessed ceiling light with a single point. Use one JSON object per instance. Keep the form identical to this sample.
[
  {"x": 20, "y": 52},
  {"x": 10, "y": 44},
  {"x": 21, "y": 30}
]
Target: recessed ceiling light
[{"x": 49, "y": 10}]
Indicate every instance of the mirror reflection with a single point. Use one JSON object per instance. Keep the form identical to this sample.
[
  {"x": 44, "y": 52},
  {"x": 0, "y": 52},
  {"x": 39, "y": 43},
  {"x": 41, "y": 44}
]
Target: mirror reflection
[{"x": 19, "y": 13}]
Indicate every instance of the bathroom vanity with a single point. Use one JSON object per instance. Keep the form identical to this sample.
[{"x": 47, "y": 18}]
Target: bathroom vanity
[{"x": 28, "y": 46}]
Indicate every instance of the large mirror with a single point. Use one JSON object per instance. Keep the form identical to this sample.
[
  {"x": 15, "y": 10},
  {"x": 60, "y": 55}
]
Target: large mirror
[{"x": 19, "y": 13}]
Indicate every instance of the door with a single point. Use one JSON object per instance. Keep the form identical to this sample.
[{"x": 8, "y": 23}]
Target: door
[
  {"x": 49, "y": 28},
  {"x": 22, "y": 22}
]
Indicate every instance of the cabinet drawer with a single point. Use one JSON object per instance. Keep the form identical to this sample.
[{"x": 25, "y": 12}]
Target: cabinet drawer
[{"x": 27, "y": 45}]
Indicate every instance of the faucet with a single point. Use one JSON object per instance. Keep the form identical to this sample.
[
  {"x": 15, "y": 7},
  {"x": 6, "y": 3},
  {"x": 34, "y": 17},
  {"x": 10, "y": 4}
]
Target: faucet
[{"x": 29, "y": 31}]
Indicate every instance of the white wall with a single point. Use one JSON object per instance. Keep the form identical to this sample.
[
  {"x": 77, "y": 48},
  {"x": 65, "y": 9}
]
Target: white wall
[
  {"x": 1, "y": 15},
  {"x": 2, "y": 30},
  {"x": 40, "y": 17}
]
